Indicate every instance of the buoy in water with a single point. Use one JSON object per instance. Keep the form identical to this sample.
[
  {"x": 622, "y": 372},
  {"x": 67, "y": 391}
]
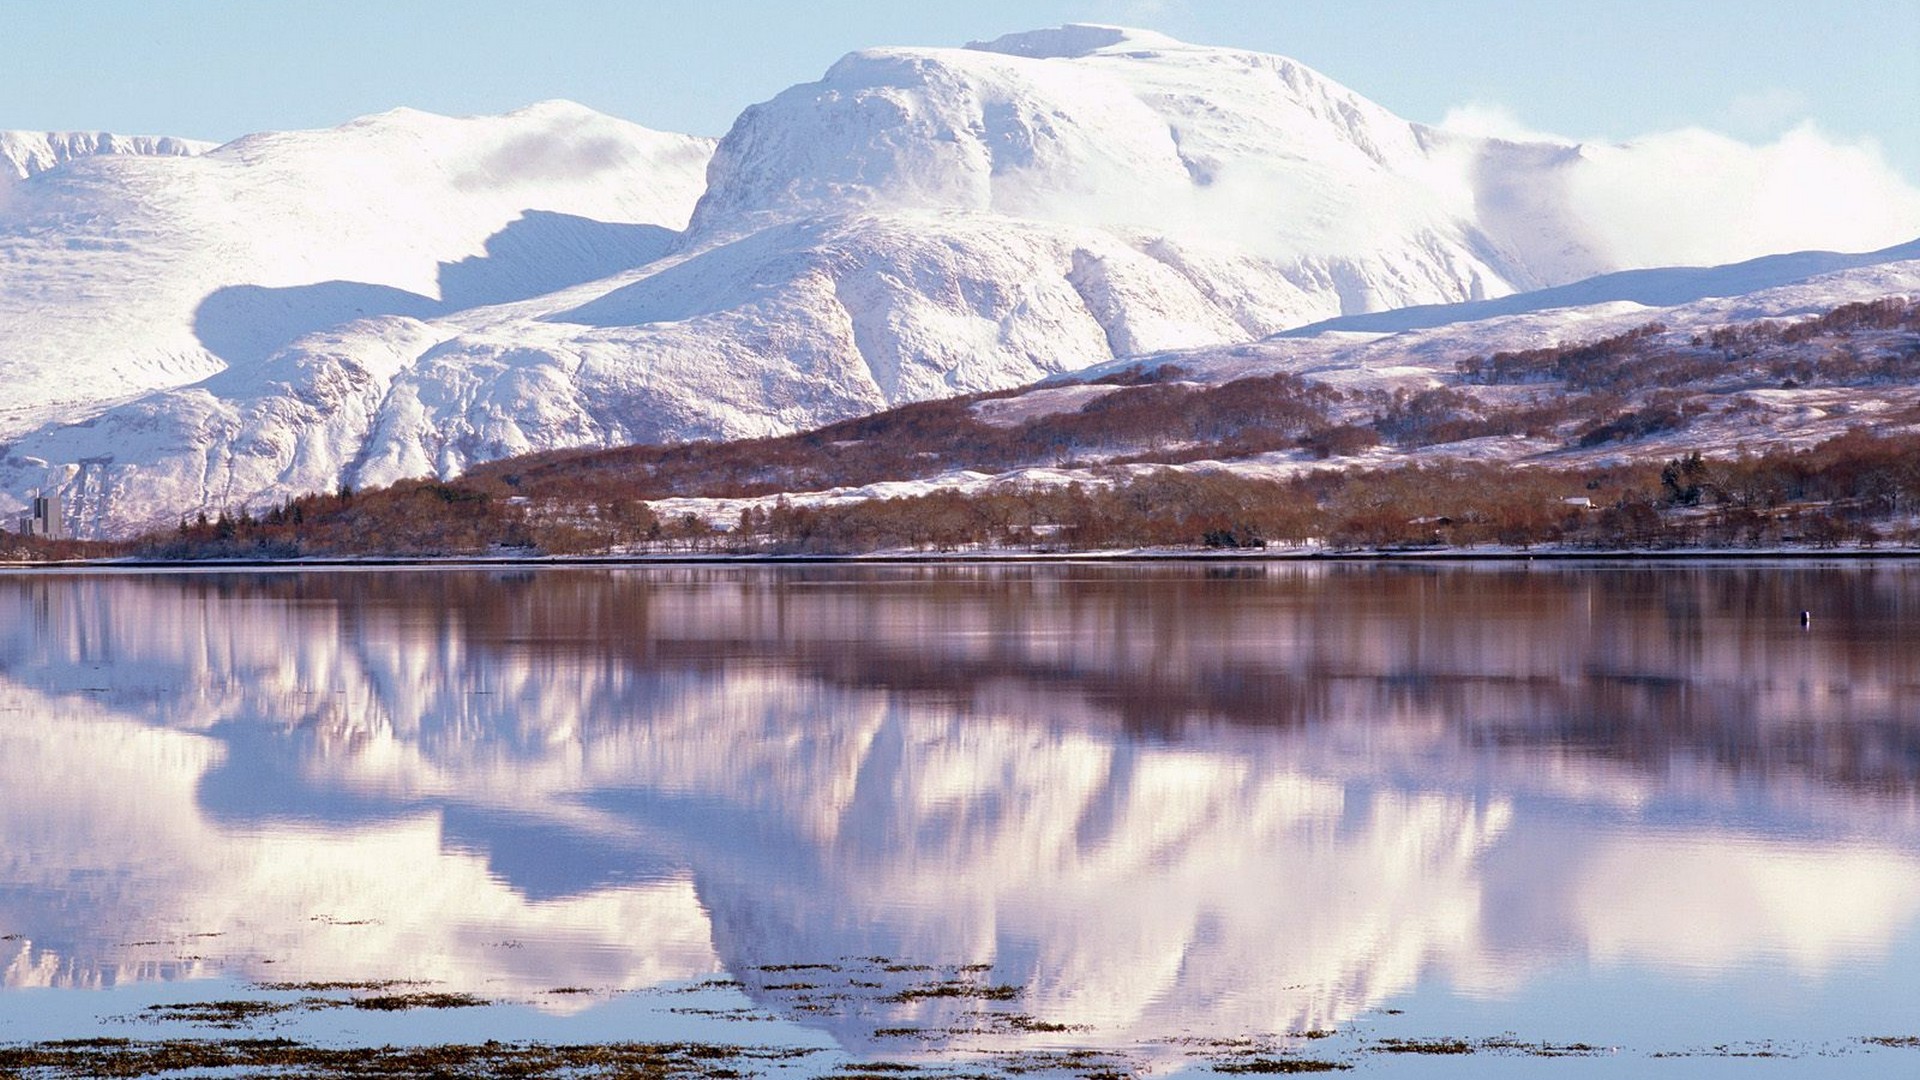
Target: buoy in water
[{"x": 1806, "y": 618}]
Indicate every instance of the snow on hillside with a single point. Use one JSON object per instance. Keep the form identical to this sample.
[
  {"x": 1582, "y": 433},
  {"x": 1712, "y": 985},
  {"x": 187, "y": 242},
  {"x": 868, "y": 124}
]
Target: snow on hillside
[
  {"x": 1349, "y": 354},
  {"x": 1661, "y": 287},
  {"x": 142, "y": 272},
  {"x": 411, "y": 294},
  {"x": 29, "y": 153},
  {"x": 1427, "y": 355}
]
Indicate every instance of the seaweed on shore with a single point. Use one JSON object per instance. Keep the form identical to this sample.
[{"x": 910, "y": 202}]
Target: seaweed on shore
[
  {"x": 239, "y": 1013},
  {"x": 221, "y": 1014},
  {"x": 1267, "y": 1065},
  {"x": 418, "y": 1000},
  {"x": 1423, "y": 1046},
  {"x": 978, "y": 991},
  {"x": 325, "y": 987},
  {"x": 76, "y": 1059}
]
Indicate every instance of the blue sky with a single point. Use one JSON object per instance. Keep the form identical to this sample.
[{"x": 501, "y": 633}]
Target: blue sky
[{"x": 1586, "y": 68}]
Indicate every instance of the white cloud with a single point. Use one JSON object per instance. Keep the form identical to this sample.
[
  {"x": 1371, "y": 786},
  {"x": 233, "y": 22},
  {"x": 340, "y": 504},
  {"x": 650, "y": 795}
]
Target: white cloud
[
  {"x": 1491, "y": 121},
  {"x": 1695, "y": 196}
]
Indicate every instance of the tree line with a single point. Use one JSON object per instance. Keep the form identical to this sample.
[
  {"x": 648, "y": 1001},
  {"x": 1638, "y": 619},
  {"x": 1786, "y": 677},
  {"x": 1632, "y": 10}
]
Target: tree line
[{"x": 1859, "y": 488}]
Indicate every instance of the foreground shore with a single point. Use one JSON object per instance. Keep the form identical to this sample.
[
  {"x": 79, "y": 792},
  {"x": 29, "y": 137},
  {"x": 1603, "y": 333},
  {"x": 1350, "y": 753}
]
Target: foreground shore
[{"x": 270, "y": 1030}]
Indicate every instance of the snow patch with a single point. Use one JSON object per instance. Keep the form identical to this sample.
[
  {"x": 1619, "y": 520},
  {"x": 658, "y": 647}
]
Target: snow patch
[{"x": 1072, "y": 41}]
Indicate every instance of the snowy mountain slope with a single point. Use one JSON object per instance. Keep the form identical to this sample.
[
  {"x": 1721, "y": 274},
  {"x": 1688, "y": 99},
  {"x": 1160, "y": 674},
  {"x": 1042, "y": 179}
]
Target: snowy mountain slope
[
  {"x": 918, "y": 223},
  {"x": 1661, "y": 287},
  {"x": 726, "y": 342},
  {"x": 29, "y": 153},
  {"x": 148, "y": 272},
  {"x": 930, "y": 221},
  {"x": 1352, "y": 355}
]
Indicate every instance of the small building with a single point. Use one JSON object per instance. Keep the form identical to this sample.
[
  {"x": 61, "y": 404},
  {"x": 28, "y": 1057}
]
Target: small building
[
  {"x": 44, "y": 519},
  {"x": 1579, "y": 502}
]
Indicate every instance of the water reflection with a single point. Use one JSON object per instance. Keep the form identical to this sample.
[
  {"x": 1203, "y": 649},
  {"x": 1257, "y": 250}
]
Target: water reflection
[{"x": 1156, "y": 800}]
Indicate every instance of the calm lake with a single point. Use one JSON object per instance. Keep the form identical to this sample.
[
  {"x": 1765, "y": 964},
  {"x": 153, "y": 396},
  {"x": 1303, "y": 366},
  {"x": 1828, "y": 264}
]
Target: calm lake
[{"x": 1592, "y": 819}]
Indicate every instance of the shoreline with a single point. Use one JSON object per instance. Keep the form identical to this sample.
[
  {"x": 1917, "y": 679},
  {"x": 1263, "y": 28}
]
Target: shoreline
[{"x": 980, "y": 558}]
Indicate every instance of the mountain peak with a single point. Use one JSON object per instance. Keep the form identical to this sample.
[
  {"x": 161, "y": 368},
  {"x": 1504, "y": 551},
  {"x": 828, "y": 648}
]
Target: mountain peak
[
  {"x": 558, "y": 108},
  {"x": 1072, "y": 41},
  {"x": 1128, "y": 129},
  {"x": 398, "y": 116}
]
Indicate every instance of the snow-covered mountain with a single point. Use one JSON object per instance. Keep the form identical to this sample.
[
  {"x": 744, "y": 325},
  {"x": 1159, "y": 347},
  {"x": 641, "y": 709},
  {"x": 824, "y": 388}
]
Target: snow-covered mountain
[
  {"x": 130, "y": 273},
  {"x": 28, "y": 153},
  {"x": 411, "y": 294}
]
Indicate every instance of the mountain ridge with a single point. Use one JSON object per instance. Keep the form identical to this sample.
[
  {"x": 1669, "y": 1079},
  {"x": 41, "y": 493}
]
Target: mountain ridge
[{"x": 24, "y": 154}]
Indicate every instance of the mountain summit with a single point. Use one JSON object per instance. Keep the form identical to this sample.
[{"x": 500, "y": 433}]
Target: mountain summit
[{"x": 1213, "y": 150}]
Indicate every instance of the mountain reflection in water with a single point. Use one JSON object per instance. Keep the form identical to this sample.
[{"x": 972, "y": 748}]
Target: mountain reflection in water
[{"x": 1156, "y": 799}]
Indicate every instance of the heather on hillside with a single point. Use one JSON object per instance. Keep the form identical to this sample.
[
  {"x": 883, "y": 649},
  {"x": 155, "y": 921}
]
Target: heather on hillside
[{"x": 1859, "y": 489}]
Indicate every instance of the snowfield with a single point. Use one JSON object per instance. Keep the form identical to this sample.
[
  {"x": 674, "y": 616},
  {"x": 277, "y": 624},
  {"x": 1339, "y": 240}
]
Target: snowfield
[{"x": 187, "y": 328}]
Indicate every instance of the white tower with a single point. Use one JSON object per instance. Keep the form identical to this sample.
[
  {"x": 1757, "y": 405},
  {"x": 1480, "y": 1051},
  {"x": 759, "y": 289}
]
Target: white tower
[{"x": 44, "y": 518}]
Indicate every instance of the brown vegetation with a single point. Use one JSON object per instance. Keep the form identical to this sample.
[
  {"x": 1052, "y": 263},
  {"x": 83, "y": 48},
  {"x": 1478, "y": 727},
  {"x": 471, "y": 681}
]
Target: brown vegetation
[
  {"x": 1871, "y": 343},
  {"x": 19, "y": 548},
  {"x": 1146, "y": 418},
  {"x": 282, "y": 1057},
  {"x": 1858, "y": 488}
]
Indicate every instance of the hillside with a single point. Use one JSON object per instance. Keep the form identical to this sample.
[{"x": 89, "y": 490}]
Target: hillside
[
  {"x": 1802, "y": 431},
  {"x": 1497, "y": 416}
]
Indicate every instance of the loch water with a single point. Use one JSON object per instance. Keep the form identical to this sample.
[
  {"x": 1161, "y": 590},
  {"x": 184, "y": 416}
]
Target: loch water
[{"x": 1605, "y": 818}]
